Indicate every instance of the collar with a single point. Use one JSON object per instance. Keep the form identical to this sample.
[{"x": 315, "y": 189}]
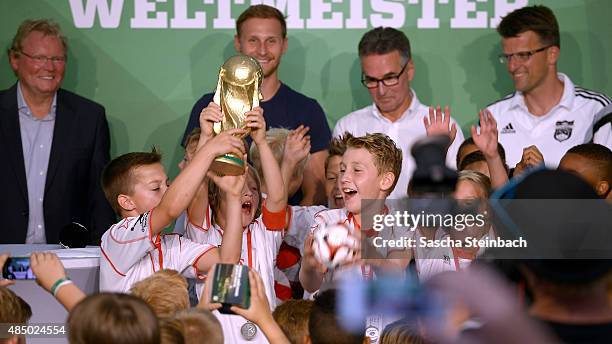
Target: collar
[
  {"x": 350, "y": 217},
  {"x": 415, "y": 104},
  {"x": 567, "y": 99},
  {"x": 23, "y": 107}
]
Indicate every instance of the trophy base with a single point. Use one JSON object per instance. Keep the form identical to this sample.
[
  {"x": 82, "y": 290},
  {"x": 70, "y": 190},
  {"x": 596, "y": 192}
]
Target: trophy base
[{"x": 227, "y": 165}]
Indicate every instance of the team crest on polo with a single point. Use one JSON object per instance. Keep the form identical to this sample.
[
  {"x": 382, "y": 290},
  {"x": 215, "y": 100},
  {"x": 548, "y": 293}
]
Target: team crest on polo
[{"x": 563, "y": 130}]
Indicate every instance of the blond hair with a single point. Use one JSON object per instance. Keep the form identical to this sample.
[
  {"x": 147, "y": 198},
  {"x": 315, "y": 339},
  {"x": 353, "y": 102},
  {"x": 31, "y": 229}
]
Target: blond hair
[
  {"x": 276, "y": 138},
  {"x": 14, "y": 309},
  {"x": 386, "y": 155},
  {"x": 481, "y": 180},
  {"x": 192, "y": 326},
  {"x": 165, "y": 291}
]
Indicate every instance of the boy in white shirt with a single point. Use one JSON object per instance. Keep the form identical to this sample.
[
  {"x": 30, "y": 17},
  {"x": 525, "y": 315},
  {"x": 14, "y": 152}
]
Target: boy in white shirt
[{"x": 136, "y": 186}]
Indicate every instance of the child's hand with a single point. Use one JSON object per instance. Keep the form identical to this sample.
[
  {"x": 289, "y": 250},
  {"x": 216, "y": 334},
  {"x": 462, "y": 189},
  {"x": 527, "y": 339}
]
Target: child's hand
[
  {"x": 439, "y": 124},
  {"x": 310, "y": 261},
  {"x": 204, "y": 301},
  {"x": 230, "y": 185},
  {"x": 531, "y": 158},
  {"x": 4, "y": 282},
  {"x": 297, "y": 146},
  {"x": 47, "y": 268},
  {"x": 208, "y": 116},
  {"x": 486, "y": 141},
  {"x": 226, "y": 142},
  {"x": 259, "y": 311},
  {"x": 256, "y": 122}
]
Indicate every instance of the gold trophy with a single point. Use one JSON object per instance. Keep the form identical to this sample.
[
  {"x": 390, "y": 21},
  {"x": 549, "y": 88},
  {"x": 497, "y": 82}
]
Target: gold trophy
[{"x": 238, "y": 91}]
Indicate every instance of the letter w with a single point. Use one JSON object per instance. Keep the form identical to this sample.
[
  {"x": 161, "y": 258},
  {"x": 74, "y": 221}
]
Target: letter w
[{"x": 84, "y": 17}]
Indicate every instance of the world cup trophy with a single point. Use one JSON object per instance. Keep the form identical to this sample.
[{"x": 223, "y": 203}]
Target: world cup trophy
[{"x": 238, "y": 91}]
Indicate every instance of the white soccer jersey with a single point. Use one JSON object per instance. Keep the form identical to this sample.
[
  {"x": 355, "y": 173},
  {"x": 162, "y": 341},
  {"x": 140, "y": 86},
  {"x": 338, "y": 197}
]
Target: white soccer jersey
[
  {"x": 130, "y": 254},
  {"x": 405, "y": 132},
  {"x": 569, "y": 123},
  {"x": 259, "y": 250}
]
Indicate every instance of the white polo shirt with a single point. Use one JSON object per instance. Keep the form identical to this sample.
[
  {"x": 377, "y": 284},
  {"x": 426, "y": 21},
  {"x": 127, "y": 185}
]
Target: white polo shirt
[
  {"x": 567, "y": 124},
  {"x": 405, "y": 131},
  {"x": 130, "y": 254}
]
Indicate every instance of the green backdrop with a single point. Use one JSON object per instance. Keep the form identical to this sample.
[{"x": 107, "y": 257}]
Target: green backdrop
[{"x": 149, "y": 78}]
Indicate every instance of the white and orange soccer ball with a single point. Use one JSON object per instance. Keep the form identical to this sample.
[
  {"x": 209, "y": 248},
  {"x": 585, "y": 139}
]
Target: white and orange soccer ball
[{"x": 333, "y": 245}]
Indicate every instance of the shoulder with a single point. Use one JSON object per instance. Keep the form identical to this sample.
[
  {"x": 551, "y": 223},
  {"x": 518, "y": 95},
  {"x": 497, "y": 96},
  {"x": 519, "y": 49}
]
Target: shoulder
[
  {"x": 504, "y": 102},
  {"x": 599, "y": 99},
  {"x": 296, "y": 98},
  {"x": 76, "y": 101},
  {"x": 354, "y": 116}
]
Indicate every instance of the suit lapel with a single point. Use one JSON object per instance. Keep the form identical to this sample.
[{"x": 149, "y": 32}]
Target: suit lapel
[
  {"x": 9, "y": 125},
  {"x": 64, "y": 122}
]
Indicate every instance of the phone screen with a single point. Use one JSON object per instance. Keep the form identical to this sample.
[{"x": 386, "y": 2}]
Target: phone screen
[{"x": 18, "y": 268}]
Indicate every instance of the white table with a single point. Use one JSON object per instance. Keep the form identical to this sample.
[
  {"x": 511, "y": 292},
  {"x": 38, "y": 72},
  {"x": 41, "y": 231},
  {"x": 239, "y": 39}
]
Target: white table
[{"x": 83, "y": 268}]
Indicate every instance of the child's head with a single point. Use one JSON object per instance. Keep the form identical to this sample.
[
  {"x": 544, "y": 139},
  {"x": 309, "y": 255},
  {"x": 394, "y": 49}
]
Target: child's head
[
  {"x": 591, "y": 162},
  {"x": 192, "y": 325},
  {"x": 402, "y": 331},
  {"x": 191, "y": 143},
  {"x": 13, "y": 310},
  {"x": 134, "y": 182},
  {"x": 112, "y": 318},
  {"x": 292, "y": 317},
  {"x": 337, "y": 147},
  {"x": 276, "y": 138},
  {"x": 165, "y": 291},
  {"x": 467, "y": 146},
  {"x": 369, "y": 169},
  {"x": 475, "y": 161},
  {"x": 323, "y": 324},
  {"x": 472, "y": 185},
  {"x": 251, "y": 199}
]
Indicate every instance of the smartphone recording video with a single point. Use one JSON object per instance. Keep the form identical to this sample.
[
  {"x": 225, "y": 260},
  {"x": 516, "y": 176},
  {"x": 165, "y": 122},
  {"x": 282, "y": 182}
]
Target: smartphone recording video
[
  {"x": 18, "y": 268},
  {"x": 230, "y": 287}
]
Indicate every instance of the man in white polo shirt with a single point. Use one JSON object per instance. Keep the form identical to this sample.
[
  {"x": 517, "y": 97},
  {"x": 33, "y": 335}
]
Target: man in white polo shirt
[
  {"x": 547, "y": 110},
  {"x": 387, "y": 70}
]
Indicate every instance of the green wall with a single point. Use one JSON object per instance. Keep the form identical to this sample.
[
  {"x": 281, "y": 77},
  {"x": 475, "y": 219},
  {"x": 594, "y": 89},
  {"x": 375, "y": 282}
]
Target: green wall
[{"x": 148, "y": 79}]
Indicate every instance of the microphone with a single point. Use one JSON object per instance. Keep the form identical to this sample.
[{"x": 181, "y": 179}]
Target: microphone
[{"x": 74, "y": 235}]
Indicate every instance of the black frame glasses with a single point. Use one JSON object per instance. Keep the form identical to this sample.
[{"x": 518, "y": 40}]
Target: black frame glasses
[
  {"x": 41, "y": 59},
  {"x": 387, "y": 81},
  {"x": 522, "y": 56}
]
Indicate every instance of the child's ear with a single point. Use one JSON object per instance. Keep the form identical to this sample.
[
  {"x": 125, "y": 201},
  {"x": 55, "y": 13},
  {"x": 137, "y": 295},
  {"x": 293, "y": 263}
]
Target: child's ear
[
  {"x": 602, "y": 188},
  {"x": 125, "y": 202},
  {"x": 387, "y": 181}
]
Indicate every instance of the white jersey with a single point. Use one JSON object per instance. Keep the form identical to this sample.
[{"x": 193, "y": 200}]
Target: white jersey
[
  {"x": 405, "y": 132},
  {"x": 260, "y": 247},
  {"x": 576, "y": 119},
  {"x": 130, "y": 254}
]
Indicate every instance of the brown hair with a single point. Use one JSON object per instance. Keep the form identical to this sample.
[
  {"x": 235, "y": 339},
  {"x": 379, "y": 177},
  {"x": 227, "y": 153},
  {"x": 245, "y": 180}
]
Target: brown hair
[
  {"x": 385, "y": 40},
  {"x": 165, "y": 291},
  {"x": 118, "y": 175},
  {"x": 292, "y": 317},
  {"x": 539, "y": 19},
  {"x": 192, "y": 326},
  {"x": 386, "y": 155},
  {"x": 14, "y": 309},
  {"x": 47, "y": 26},
  {"x": 193, "y": 137},
  {"x": 337, "y": 147},
  {"x": 112, "y": 318},
  {"x": 214, "y": 194},
  {"x": 401, "y": 331},
  {"x": 262, "y": 12}
]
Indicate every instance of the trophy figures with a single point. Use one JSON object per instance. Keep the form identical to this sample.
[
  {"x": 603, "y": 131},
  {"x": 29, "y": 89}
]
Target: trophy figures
[{"x": 238, "y": 91}]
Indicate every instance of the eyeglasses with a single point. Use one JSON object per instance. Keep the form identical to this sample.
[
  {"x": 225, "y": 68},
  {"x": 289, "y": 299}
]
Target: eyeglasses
[
  {"x": 522, "y": 56},
  {"x": 41, "y": 59},
  {"x": 391, "y": 80}
]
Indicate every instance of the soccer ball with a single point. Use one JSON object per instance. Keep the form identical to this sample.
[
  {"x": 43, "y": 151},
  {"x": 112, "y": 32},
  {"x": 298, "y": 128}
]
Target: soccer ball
[{"x": 333, "y": 245}]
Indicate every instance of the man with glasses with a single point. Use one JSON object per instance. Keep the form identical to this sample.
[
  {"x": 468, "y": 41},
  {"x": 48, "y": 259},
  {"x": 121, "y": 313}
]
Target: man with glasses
[
  {"x": 548, "y": 114},
  {"x": 54, "y": 145},
  {"x": 387, "y": 70}
]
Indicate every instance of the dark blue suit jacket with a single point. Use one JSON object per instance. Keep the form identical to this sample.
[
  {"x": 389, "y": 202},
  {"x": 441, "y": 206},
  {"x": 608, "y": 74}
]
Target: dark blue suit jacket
[{"x": 79, "y": 152}]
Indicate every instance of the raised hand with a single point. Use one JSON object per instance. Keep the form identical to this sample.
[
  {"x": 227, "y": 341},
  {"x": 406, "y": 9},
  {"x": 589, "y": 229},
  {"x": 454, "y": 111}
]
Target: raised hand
[
  {"x": 204, "y": 300},
  {"x": 531, "y": 157},
  {"x": 230, "y": 185},
  {"x": 259, "y": 310},
  {"x": 226, "y": 142},
  {"x": 297, "y": 146},
  {"x": 209, "y": 115},
  {"x": 486, "y": 141},
  {"x": 439, "y": 124},
  {"x": 4, "y": 282},
  {"x": 255, "y": 121},
  {"x": 47, "y": 268}
]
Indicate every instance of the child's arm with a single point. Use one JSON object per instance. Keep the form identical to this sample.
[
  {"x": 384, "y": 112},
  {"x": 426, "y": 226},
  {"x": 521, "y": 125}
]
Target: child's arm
[
  {"x": 50, "y": 275},
  {"x": 311, "y": 271},
  {"x": 277, "y": 194},
  {"x": 199, "y": 205},
  {"x": 297, "y": 148},
  {"x": 259, "y": 311},
  {"x": 486, "y": 142},
  {"x": 181, "y": 192}
]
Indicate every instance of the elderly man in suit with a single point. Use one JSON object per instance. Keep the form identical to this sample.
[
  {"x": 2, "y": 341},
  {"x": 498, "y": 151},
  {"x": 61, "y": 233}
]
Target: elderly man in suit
[{"x": 54, "y": 145}]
